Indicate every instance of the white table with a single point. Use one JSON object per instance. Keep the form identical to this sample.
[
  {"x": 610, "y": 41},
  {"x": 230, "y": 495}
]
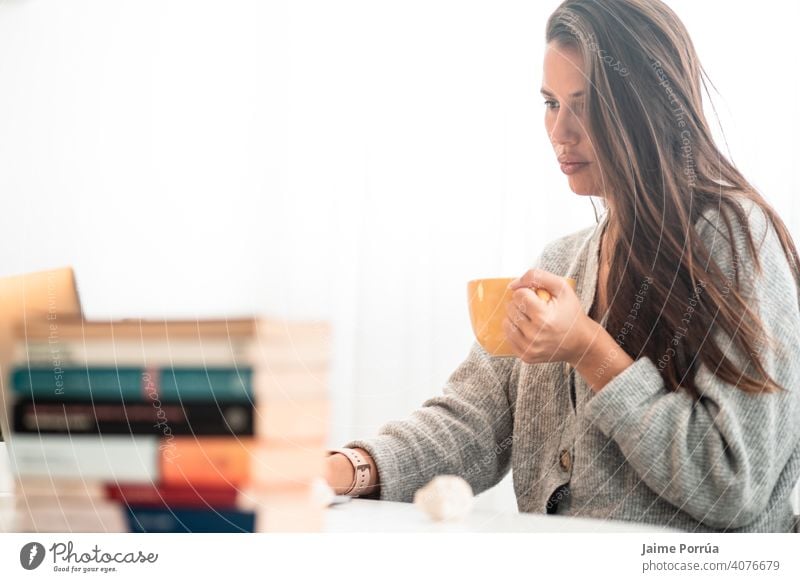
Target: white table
[
  {"x": 6, "y": 512},
  {"x": 365, "y": 515}
]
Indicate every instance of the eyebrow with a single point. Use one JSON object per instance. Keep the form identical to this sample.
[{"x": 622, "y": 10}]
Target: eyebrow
[{"x": 549, "y": 94}]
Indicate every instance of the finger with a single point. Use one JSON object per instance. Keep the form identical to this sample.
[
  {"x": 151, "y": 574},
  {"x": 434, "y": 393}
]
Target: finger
[
  {"x": 534, "y": 300},
  {"x": 541, "y": 279},
  {"x": 518, "y": 308},
  {"x": 542, "y": 294},
  {"x": 513, "y": 335},
  {"x": 518, "y": 341},
  {"x": 527, "y": 280},
  {"x": 518, "y": 331}
]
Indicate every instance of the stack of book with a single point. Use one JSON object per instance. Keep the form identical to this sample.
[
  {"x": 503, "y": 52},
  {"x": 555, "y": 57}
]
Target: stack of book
[
  {"x": 40, "y": 296},
  {"x": 168, "y": 426}
]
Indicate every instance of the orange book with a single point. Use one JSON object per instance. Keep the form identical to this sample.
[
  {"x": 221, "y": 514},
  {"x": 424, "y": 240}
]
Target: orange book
[{"x": 210, "y": 461}]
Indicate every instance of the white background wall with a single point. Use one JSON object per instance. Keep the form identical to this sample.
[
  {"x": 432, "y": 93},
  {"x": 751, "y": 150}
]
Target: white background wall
[{"x": 355, "y": 160}]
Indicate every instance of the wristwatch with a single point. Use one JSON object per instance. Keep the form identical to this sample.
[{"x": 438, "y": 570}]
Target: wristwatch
[{"x": 362, "y": 470}]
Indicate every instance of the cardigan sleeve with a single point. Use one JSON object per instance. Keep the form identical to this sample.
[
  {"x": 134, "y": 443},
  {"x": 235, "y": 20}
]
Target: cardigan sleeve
[
  {"x": 720, "y": 457},
  {"x": 466, "y": 431}
]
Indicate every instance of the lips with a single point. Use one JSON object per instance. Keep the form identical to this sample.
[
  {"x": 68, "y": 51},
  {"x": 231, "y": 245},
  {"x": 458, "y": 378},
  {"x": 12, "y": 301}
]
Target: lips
[
  {"x": 573, "y": 167},
  {"x": 567, "y": 159}
]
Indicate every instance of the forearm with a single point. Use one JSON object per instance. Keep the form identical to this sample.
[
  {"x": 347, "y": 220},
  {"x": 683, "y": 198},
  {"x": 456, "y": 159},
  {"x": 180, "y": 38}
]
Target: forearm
[
  {"x": 602, "y": 360},
  {"x": 466, "y": 431},
  {"x": 717, "y": 459}
]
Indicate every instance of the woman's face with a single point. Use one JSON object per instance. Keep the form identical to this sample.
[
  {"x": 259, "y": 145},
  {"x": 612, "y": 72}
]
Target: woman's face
[{"x": 563, "y": 87}]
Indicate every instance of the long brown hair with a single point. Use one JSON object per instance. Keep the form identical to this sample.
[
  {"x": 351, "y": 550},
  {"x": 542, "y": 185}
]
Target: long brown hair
[{"x": 661, "y": 170}]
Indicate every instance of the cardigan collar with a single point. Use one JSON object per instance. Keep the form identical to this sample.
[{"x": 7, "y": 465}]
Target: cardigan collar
[{"x": 584, "y": 267}]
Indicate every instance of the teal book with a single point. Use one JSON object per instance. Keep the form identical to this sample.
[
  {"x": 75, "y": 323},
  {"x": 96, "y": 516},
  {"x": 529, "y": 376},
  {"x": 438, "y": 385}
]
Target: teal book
[
  {"x": 171, "y": 520},
  {"x": 134, "y": 384}
]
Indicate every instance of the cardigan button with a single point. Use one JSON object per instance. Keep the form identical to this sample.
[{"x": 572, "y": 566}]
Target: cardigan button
[{"x": 565, "y": 460}]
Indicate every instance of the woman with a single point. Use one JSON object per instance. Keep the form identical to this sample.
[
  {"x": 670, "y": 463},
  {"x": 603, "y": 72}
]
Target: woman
[{"x": 666, "y": 388}]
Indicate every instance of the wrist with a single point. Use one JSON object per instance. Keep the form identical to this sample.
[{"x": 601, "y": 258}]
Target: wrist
[
  {"x": 373, "y": 488},
  {"x": 361, "y": 472},
  {"x": 589, "y": 334},
  {"x": 602, "y": 359}
]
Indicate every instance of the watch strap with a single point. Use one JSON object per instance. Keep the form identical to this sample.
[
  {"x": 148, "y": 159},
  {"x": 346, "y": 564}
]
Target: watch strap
[{"x": 362, "y": 471}]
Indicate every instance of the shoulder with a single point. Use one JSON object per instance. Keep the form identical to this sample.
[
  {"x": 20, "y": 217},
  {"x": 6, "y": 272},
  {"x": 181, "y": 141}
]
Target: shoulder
[
  {"x": 736, "y": 218},
  {"x": 725, "y": 231},
  {"x": 728, "y": 227}
]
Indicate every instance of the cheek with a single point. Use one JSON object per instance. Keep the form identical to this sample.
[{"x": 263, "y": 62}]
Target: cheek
[
  {"x": 548, "y": 125},
  {"x": 594, "y": 176}
]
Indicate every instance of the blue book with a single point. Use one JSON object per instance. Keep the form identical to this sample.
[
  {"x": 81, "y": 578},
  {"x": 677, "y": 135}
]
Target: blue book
[
  {"x": 134, "y": 384},
  {"x": 156, "y": 520}
]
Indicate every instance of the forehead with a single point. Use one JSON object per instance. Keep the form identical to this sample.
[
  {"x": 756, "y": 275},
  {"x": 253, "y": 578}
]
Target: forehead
[{"x": 563, "y": 72}]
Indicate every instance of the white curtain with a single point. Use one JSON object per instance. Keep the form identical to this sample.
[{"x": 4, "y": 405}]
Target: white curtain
[{"x": 355, "y": 161}]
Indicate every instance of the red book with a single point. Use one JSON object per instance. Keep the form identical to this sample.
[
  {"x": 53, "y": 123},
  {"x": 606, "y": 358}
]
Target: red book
[{"x": 148, "y": 495}]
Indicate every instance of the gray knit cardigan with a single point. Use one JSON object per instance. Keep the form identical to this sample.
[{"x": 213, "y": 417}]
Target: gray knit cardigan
[{"x": 634, "y": 451}]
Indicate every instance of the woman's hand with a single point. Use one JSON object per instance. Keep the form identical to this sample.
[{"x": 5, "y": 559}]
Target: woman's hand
[
  {"x": 541, "y": 330},
  {"x": 339, "y": 473}
]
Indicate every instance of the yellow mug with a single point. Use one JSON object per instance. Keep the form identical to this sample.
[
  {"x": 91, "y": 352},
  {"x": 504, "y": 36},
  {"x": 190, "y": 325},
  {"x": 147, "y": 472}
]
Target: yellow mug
[{"x": 487, "y": 300}]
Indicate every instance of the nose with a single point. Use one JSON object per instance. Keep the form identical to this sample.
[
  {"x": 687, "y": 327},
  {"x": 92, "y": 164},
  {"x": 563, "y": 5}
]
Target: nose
[{"x": 566, "y": 129}]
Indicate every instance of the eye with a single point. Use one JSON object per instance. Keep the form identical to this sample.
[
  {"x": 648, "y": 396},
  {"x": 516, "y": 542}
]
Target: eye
[{"x": 551, "y": 104}]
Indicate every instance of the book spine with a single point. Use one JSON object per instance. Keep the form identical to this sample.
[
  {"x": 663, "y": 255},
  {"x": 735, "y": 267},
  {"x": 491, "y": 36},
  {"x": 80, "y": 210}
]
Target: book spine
[
  {"x": 110, "y": 458},
  {"x": 294, "y": 352},
  {"x": 140, "y": 418},
  {"x": 154, "y": 353},
  {"x": 134, "y": 384},
  {"x": 207, "y": 462},
  {"x": 81, "y": 518},
  {"x": 152, "y": 520},
  {"x": 223, "y": 461},
  {"x": 164, "y": 497}
]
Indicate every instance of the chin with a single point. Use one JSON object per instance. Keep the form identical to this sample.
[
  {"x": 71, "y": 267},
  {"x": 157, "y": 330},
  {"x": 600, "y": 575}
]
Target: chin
[{"x": 581, "y": 188}]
